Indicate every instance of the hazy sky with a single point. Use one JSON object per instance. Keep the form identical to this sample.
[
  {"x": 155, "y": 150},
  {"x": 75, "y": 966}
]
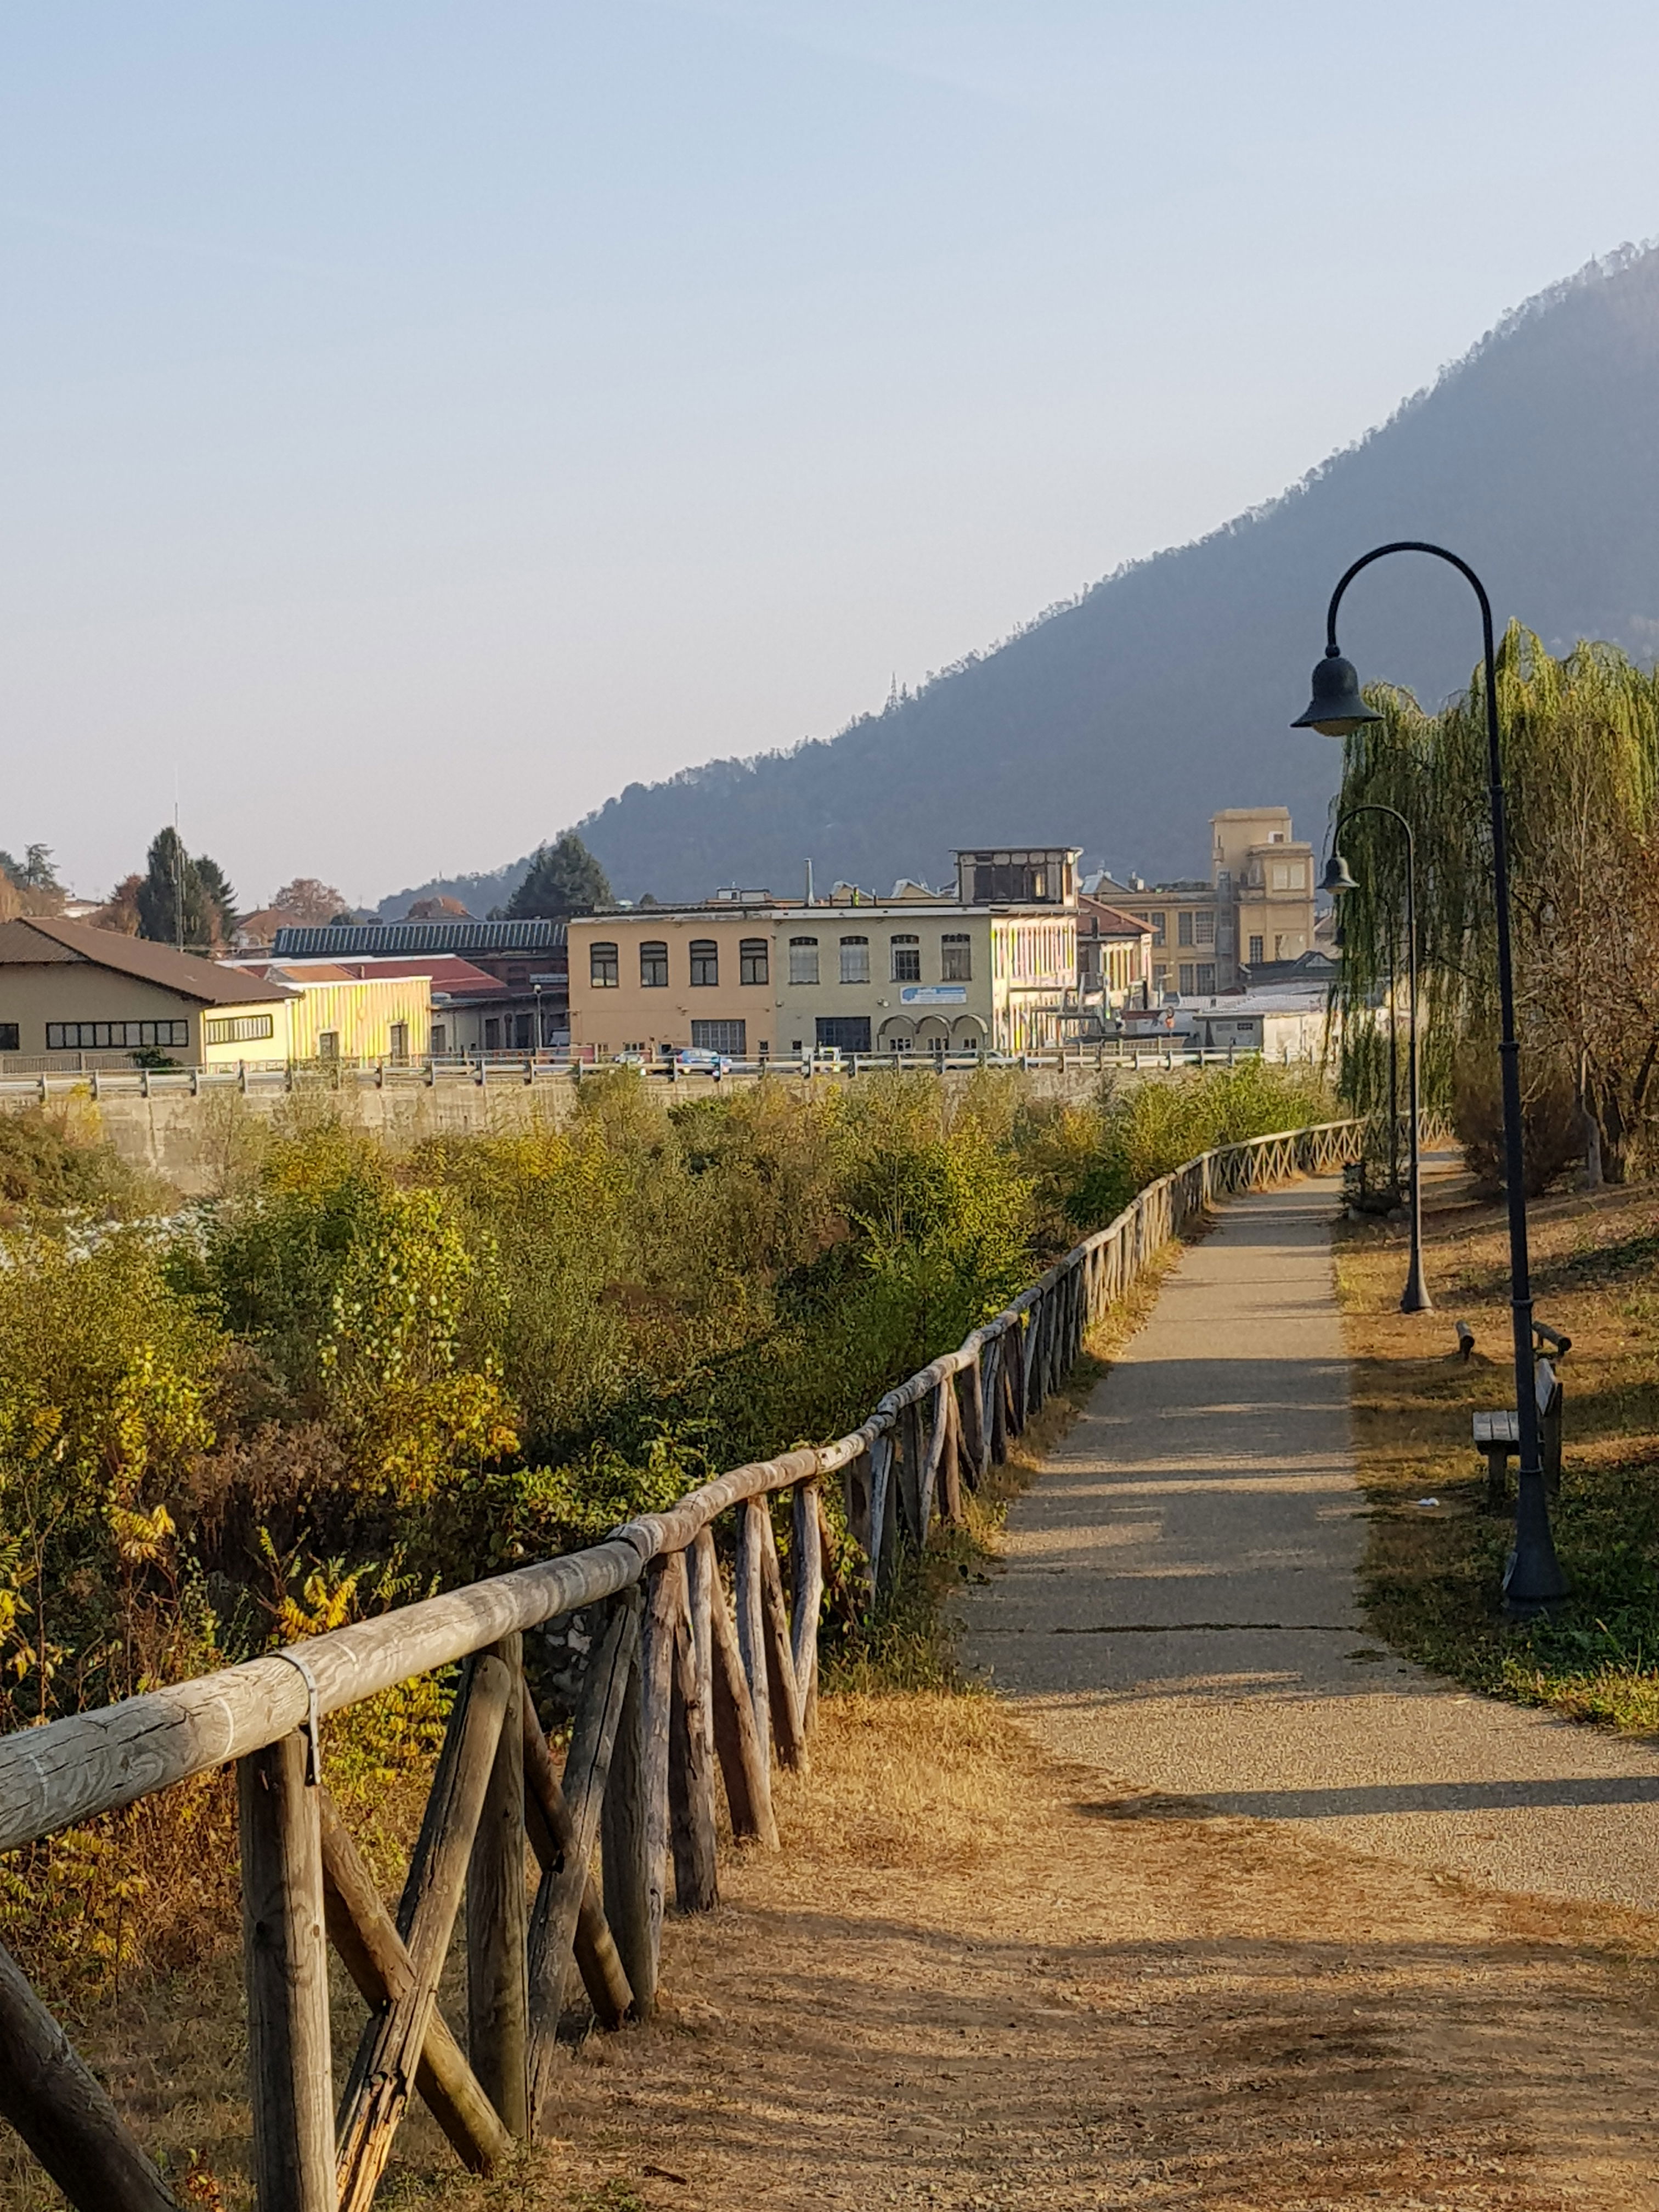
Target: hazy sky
[{"x": 418, "y": 421}]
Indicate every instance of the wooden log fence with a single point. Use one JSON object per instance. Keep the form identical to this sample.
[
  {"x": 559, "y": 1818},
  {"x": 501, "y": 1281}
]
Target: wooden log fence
[{"x": 688, "y": 1689}]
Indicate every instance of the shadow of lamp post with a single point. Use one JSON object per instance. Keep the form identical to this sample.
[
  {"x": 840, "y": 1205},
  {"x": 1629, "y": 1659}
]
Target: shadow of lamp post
[
  {"x": 1414, "y": 1298},
  {"x": 1533, "y": 1580}
]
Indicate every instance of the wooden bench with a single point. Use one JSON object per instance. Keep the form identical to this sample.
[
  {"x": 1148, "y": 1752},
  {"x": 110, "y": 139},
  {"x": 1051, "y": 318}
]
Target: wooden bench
[{"x": 1498, "y": 1434}]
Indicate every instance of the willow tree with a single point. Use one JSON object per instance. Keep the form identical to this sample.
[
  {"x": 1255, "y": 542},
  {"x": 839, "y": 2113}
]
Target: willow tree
[{"x": 1581, "y": 768}]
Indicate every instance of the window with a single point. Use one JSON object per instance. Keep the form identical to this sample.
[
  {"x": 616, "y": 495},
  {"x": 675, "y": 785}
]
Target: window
[
  {"x": 328, "y": 1044},
  {"x": 753, "y": 966},
  {"x": 653, "y": 966},
  {"x": 1206, "y": 977},
  {"x": 1157, "y": 922},
  {"x": 1186, "y": 979},
  {"x": 907, "y": 959},
  {"x": 1160, "y": 979},
  {"x": 9, "y": 1037},
  {"x": 844, "y": 1032},
  {"x": 855, "y": 964},
  {"x": 1184, "y": 929},
  {"x": 521, "y": 1032},
  {"x": 803, "y": 960},
  {"x": 728, "y": 1037},
  {"x": 956, "y": 958},
  {"x": 1287, "y": 876},
  {"x": 705, "y": 962},
  {"x": 113, "y": 1037},
  {"x": 1255, "y": 952},
  {"x": 238, "y": 1029},
  {"x": 493, "y": 1033},
  {"x": 1203, "y": 928},
  {"x": 440, "y": 1037},
  {"x": 603, "y": 967}
]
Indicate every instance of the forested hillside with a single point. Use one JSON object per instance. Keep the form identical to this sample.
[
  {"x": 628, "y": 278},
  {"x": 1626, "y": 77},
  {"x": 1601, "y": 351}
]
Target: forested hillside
[{"x": 1120, "y": 722}]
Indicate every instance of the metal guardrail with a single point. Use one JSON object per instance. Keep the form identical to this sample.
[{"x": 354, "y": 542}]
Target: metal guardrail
[
  {"x": 681, "y": 1685},
  {"x": 97, "y": 1082}
]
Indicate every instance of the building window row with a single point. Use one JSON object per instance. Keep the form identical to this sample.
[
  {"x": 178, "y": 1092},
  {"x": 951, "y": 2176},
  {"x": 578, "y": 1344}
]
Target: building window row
[
  {"x": 113, "y": 1037},
  {"x": 754, "y": 961},
  {"x": 238, "y": 1029},
  {"x": 903, "y": 954},
  {"x": 703, "y": 954}
]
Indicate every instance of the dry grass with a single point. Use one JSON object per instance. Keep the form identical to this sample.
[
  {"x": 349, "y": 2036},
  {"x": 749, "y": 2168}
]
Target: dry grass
[
  {"x": 1434, "y": 1572},
  {"x": 975, "y": 1978}
]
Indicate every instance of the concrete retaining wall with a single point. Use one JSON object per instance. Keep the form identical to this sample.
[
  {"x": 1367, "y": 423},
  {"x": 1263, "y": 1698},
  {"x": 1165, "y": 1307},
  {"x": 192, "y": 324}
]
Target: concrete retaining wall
[{"x": 195, "y": 1143}]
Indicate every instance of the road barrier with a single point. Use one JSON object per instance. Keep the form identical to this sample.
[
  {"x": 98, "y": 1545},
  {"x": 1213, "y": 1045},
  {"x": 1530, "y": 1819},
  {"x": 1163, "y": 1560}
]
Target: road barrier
[
  {"x": 684, "y": 1687},
  {"x": 59, "y": 1076}
]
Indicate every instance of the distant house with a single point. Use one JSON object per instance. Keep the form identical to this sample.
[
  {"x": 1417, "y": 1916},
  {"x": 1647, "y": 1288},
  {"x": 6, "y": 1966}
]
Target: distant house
[
  {"x": 1114, "y": 955},
  {"x": 257, "y": 931},
  {"x": 77, "y": 995},
  {"x": 442, "y": 909},
  {"x": 1253, "y": 914}
]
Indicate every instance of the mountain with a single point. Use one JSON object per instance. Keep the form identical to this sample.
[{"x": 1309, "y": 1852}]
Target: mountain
[{"x": 1120, "y": 722}]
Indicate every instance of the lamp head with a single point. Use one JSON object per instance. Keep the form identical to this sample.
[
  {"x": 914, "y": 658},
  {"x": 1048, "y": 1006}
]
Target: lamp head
[
  {"x": 1336, "y": 710},
  {"x": 1337, "y": 877}
]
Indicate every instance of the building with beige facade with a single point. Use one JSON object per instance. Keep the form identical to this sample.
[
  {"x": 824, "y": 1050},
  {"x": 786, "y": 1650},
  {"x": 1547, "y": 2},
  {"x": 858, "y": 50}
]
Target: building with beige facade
[
  {"x": 746, "y": 974},
  {"x": 74, "y": 995},
  {"x": 1251, "y": 920}
]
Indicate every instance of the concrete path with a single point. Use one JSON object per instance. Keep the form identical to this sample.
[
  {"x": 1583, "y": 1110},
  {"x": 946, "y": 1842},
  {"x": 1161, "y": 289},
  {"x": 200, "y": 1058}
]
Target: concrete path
[{"x": 1178, "y": 1603}]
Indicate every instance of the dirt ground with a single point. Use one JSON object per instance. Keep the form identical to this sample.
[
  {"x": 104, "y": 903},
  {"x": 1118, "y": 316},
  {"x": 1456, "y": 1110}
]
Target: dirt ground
[{"x": 973, "y": 1977}]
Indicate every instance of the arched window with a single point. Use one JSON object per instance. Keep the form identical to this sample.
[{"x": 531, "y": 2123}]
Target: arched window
[
  {"x": 907, "y": 959},
  {"x": 705, "y": 961},
  {"x": 753, "y": 966},
  {"x": 802, "y": 960},
  {"x": 604, "y": 971},
  {"x": 855, "y": 960},
  {"x": 653, "y": 967}
]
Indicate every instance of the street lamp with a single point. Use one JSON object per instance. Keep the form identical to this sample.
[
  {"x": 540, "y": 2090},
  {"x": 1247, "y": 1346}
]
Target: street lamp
[
  {"x": 1414, "y": 1298},
  {"x": 1532, "y": 1579}
]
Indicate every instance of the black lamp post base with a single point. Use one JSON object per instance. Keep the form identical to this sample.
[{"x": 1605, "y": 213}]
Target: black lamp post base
[
  {"x": 1533, "y": 1580},
  {"x": 1415, "y": 1299}
]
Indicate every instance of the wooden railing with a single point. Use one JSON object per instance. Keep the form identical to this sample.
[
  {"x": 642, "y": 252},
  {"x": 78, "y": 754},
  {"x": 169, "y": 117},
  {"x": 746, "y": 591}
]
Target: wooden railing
[{"x": 681, "y": 1685}]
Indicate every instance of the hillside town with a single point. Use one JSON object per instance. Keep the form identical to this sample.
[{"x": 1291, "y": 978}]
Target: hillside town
[{"x": 1019, "y": 954}]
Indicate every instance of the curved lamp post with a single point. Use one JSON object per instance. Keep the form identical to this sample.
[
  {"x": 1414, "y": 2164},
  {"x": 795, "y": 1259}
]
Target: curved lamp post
[
  {"x": 1414, "y": 1298},
  {"x": 1533, "y": 1580}
]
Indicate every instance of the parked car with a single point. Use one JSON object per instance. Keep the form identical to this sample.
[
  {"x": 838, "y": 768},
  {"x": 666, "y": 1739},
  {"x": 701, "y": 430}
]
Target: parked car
[{"x": 691, "y": 1059}]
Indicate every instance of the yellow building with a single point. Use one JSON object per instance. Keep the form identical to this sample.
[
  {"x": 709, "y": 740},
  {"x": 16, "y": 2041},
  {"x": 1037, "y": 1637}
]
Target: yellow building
[
  {"x": 751, "y": 976},
  {"x": 334, "y": 1014},
  {"x": 1255, "y": 914}
]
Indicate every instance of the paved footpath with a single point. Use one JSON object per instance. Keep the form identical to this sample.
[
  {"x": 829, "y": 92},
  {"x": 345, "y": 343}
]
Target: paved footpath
[{"x": 1178, "y": 1603}]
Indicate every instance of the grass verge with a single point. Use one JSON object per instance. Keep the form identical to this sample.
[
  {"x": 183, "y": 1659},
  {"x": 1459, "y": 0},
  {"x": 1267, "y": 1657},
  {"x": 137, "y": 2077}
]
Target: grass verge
[{"x": 1435, "y": 1561}]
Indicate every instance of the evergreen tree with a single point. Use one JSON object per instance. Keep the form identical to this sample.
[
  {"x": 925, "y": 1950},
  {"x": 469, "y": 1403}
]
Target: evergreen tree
[
  {"x": 564, "y": 878},
  {"x": 222, "y": 891},
  {"x": 173, "y": 904}
]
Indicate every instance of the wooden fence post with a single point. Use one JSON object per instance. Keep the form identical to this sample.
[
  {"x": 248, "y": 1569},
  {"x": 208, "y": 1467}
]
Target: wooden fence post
[
  {"x": 744, "y": 1765},
  {"x": 806, "y": 1599},
  {"x": 365, "y": 1936},
  {"x": 624, "y": 1838},
  {"x": 691, "y": 1758},
  {"x": 751, "y": 1617},
  {"x": 285, "y": 1956},
  {"x": 389, "y": 2053},
  {"x": 60, "y": 2110},
  {"x": 497, "y": 1992},
  {"x": 972, "y": 1422}
]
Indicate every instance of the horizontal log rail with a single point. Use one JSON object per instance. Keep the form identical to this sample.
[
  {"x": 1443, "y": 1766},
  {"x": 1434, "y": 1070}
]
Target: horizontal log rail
[{"x": 684, "y": 1683}]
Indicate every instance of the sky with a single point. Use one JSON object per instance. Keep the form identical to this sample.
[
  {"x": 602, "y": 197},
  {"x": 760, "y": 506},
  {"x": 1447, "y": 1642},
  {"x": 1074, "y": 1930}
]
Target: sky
[{"x": 418, "y": 422}]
